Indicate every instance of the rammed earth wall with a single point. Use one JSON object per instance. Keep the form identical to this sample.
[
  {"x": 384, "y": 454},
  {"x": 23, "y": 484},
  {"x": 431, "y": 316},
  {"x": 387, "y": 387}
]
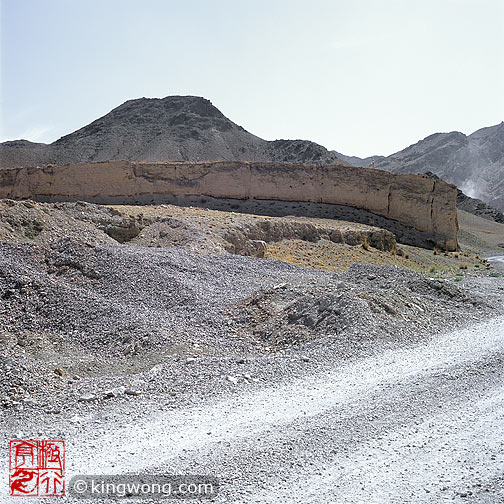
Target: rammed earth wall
[{"x": 414, "y": 201}]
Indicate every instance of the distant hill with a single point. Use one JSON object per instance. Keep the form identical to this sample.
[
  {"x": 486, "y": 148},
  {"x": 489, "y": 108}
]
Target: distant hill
[
  {"x": 474, "y": 163},
  {"x": 479, "y": 208},
  {"x": 175, "y": 128},
  {"x": 357, "y": 161}
]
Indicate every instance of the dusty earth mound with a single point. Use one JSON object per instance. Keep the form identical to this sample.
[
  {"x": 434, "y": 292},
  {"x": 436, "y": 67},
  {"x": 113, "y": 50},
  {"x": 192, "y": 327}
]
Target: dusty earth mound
[
  {"x": 27, "y": 221},
  {"x": 167, "y": 226},
  {"x": 372, "y": 300},
  {"x": 326, "y": 244},
  {"x": 175, "y": 128}
]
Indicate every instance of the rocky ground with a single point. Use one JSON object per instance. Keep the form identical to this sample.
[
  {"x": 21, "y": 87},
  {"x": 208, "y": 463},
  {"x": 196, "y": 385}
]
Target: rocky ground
[
  {"x": 146, "y": 309},
  {"x": 84, "y": 324},
  {"x": 126, "y": 294},
  {"x": 480, "y": 235}
]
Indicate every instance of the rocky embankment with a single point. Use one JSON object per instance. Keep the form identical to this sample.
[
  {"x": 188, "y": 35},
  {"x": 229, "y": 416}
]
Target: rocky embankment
[{"x": 45, "y": 223}]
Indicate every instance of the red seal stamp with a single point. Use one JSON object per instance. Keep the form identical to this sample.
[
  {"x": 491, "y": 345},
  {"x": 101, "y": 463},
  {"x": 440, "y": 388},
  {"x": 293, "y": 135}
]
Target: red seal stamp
[{"x": 37, "y": 468}]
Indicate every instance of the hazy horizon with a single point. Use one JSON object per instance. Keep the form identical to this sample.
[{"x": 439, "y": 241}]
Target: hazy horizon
[{"x": 369, "y": 78}]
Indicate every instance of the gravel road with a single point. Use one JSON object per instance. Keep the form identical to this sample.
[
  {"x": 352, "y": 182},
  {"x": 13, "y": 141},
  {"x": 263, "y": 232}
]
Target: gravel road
[{"x": 418, "y": 424}]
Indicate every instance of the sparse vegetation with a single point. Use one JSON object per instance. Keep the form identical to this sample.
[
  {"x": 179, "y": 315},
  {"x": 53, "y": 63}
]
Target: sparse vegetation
[{"x": 463, "y": 266}]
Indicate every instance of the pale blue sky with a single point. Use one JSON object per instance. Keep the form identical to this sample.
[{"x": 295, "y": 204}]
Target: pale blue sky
[{"x": 363, "y": 77}]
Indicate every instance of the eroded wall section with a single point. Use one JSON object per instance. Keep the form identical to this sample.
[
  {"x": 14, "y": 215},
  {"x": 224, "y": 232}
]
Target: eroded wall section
[{"x": 415, "y": 201}]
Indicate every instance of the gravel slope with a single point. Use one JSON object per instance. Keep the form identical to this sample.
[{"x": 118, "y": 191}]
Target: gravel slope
[
  {"x": 262, "y": 373},
  {"x": 81, "y": 319}
]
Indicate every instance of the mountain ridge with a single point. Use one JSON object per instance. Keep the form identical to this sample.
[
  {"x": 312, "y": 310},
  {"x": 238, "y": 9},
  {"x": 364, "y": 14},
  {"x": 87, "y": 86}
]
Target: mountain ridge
[
  {"x": 174, "y": 128},
  {"x": 474, "y": 163}
]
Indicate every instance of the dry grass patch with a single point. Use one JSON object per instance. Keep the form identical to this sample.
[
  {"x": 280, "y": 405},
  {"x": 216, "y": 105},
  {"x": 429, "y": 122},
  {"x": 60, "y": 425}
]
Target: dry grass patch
[{"x": 329, "y": 256}]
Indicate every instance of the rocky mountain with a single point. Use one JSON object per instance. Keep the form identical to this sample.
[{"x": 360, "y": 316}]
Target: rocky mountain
[
  {"x": 175, "y": 128},
  {"x": 479, "y": 208},
  {"x": 357, "y": 161},
  {"x": 474, "y": 163}
]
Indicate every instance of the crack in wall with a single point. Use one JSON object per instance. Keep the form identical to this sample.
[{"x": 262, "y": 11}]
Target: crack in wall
[
  {"x": 432, "y": 205},
  {"x": 389, "y": 199}
]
